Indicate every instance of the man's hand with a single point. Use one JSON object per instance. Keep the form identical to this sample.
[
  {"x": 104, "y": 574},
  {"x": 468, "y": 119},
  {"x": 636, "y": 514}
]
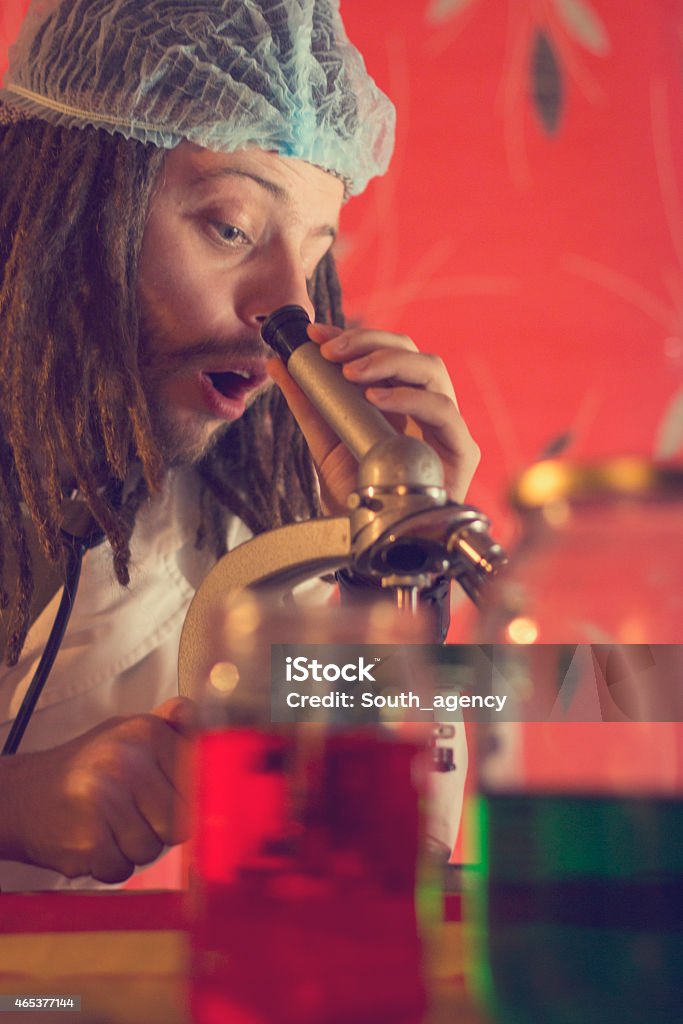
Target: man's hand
[
  {"x": 412, "y": 388},
  {"x": 103, "y": 802}
]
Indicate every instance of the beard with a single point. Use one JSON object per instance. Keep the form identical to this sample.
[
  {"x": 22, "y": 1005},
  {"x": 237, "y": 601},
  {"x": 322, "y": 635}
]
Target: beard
[
  {"x": 180, "y": 443},
  {"x": 184, "y": 439}
]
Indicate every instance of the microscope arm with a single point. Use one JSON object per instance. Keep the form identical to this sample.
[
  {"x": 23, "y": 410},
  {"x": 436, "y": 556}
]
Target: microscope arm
[{"x": 279, "y": 559}]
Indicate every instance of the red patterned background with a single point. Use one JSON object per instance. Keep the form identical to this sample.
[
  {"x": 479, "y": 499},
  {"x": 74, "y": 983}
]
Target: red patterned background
[{"x": 531, "y": 227}]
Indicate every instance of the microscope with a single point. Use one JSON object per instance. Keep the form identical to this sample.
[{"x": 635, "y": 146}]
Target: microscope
[{"x": 401, "y": 533}]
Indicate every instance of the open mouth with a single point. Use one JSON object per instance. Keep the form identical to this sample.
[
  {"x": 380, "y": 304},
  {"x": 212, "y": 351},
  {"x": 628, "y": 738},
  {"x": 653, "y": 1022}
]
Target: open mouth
[
  {"x": 226, "y": 392},
  {"x": 232, "y": 383}
]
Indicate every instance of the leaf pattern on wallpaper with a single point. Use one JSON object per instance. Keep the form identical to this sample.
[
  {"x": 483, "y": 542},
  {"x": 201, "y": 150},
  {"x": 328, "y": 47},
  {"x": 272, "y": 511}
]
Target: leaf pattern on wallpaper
[
  {"x": 547, "y": 87},
  {"x": 557, "y": 445},
  {"x": 665, "y": 311},
  {"x": 669, "y": 436},
  {"x": 583, "y": 23},
  {"x": 441, "y": 10},
  {"x": 545, "y": 48}
]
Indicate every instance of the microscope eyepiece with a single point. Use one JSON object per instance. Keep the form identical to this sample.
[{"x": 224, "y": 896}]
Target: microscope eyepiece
[{"x": 285, "y": 330}]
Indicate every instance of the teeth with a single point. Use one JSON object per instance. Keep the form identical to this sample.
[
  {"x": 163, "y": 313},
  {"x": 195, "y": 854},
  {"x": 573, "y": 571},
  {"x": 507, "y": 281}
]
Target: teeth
[
  {"x": 234, "y": 373},
  {"x": 226, "y": 381}
]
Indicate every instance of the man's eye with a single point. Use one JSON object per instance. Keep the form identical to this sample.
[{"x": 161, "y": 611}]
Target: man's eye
[{"x": 229, "y": 233}]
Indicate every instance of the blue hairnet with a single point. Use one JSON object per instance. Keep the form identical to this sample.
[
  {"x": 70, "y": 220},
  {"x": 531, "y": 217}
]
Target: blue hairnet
[{"x": 224, "y": 74}]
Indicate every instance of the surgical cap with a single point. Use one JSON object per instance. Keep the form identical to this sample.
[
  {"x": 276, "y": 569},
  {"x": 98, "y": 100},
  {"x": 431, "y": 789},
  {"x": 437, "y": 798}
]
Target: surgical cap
[{"x": 224, "y": 74}]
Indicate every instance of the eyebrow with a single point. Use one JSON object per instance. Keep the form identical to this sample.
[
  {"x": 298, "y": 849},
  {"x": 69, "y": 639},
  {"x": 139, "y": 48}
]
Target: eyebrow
[{"x": 271, "y": 187}]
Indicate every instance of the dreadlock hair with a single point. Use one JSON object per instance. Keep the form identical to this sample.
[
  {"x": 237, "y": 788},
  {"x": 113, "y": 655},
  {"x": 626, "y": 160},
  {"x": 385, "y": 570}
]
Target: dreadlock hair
[{"x": 73, "y": 205}]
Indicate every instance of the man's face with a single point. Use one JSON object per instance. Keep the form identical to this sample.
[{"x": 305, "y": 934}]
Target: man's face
[{"x": 230, "y": 237}]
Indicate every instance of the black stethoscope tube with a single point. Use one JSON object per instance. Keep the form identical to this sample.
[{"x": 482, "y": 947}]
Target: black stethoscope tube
[{"x": 75, "y": 548}]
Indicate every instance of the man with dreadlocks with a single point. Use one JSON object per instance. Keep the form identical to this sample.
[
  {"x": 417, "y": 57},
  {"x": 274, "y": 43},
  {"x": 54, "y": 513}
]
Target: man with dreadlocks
[{"x": 170, "y": 173}]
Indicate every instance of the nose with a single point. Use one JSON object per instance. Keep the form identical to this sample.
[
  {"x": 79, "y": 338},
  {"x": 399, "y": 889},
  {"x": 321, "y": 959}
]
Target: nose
[{"x": 277, "y": 281}]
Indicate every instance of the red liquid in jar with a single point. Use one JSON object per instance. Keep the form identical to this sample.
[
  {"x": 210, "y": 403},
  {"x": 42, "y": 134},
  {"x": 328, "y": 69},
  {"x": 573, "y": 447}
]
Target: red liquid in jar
[{"x": 306, "y": 917}]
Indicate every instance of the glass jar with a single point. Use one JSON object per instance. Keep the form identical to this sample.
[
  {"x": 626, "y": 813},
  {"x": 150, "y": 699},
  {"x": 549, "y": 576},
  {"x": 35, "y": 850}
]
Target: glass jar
[
  {"x": 579, "y": 815},
  {"x": 600, "y": 560},
  {"x": 307, "y": 825}
]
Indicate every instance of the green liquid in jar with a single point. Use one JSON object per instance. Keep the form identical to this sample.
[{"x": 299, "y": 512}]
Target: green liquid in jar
[{"x": 580, "y": 909}]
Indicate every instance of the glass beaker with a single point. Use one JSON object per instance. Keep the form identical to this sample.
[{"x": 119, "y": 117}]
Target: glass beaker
[
  {"x": 579, "y": 816},
  {"x": 307, "y": 824}
]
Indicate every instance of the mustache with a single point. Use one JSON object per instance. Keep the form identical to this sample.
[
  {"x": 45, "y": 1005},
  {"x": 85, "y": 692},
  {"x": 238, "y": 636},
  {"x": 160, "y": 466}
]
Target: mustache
[{"x": 247, "y": 347}]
